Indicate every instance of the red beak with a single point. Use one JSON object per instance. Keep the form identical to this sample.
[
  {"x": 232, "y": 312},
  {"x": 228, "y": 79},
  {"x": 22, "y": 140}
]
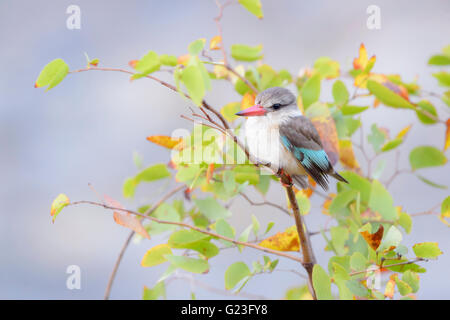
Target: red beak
[{"x": 256, "y": 110}]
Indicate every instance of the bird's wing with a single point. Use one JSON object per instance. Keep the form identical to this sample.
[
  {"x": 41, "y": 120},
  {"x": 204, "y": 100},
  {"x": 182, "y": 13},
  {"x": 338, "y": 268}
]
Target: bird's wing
[{"x": 301, "y": 138}]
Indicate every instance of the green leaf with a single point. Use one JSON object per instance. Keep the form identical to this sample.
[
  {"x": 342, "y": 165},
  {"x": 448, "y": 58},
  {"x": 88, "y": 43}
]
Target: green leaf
[
  {"x": 229, "y": 111},
  {"x": 445, "y": 207},
  {"x": 431, "y": 183},
  {"x": 358, "y": 183},
  {"x": 340, "y": 93},
  {"x": 427, "y": 250},
  {"x": 342, "y": 200},
  {"x": 339, "y": 235},
  {"x": 344, "y": 292},
  {"x": 304, "y": 203},
  {"x": 427, "y": 107},
  {"x": 439, "y": 60},
  {"x": 168, "y": 60},
  {"x": 443, "y": 78},
  {"x": 376, "y": 138},
  {"x": 253, "y": 6},
  {"x": 129, "y": 187},
  {"x": 255, "y": 225},
  {"x": 195, "y": 47},
  {"x": 339, "y": 272},
  {"x": 153, "y": 173},
  {"x": 392, "y": 144},
  {"x": 391, "y": 239},
  {"x": 269, "y": 227},
  {"x": 387, "y": 96},
  {"x": 236, "y": 273},
  {"x": 164, "y": 212},
  {"x": 244, "y": 236},
  {"x": 189, "y": 264},
  {"x": 310, "y": 91},
  {"x": 181, "y": 238},
  {"x": 243, "y": 52},
  {"x": 321, "y": 283},
  {"x": 381, "y": 201},
  {"x": 147, "y": 64},
  {"x": 156, "y": 255},
  {"x": 193, "y": 80},
  {"x": 159, "y": 290},
  {"x": 223, "y": 228},
  {"x": 403, "y": 287},
  {"x": 352, "y": 110},
  {"x": 52, "y": 74},
  {"x": 326, "y": 67},
  {"x": 412, "y": 279},
  {"x": 358, "y": 262},
  {"x": 405, "y": 221},
  {"x": 212, "y": 209},
  {"x": 58, "y": 204},
  {"x": 229, "y": 182},
  {"x": 244, "y": 173},
  {"x": 426, "y": 156}
]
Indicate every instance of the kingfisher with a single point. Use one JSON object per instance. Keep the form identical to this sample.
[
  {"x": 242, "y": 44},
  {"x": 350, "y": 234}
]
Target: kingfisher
[{"x": 279, "y": 136}]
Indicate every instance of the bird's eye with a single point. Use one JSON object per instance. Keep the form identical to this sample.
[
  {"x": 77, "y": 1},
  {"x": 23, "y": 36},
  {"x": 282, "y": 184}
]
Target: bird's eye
[{"x": 276, "y": 106}]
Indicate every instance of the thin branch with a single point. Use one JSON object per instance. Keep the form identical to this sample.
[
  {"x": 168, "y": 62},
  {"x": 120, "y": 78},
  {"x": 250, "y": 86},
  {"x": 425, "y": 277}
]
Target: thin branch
[
  {"x": 388, "y": 266},
  {"x": 130, "y": 236},
  {"x": 264, "y": 203},
  {"x": 181, "y": 224}
]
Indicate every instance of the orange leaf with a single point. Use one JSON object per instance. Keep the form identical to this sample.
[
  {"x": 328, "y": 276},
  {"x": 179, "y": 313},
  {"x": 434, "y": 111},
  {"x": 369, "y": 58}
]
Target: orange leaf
[
  {"x": 326, "y": 204},
  {"x": 283, "y": 241},
  {"x": 447, "y": 135},
  {"x": 346, "y": 155},
  {"x": 360, "y": 63},
  {"x": 133, "y": 63},
  {"x": 126, "y": 219},
  {"x": 167, "y": 142},
  {"x": 390, "y": 287},
  {"x": 248, "y": 100},
  {"x": 184, "y": 59},
  {"x": 209, "y": 172},
  {"x": 215, "y": 43},
  {"x": 328, "y": 134},
  {"x": 373, "y": 239}
]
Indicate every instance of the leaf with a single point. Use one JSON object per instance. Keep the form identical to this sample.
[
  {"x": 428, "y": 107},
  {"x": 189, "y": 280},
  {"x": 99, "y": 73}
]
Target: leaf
[
  {"x": 236, "y": 273},
  {"x": 392, "y": 144},
  {"x": 387, "y": 96},
  {"x": 431, "y": 183},
  {"x": 303, "y": 202},
  {"x": 52, "y": 74},
  {"x": 352, "y": 110},
  {"x": 443, "y": 78},
  {"x": 168, "y": 60},
  {"x": 223, "y": 228},
  {"x": 381, "y": 201},
  {"x": 126, "y": 219},
  {"x": 358, "y": 262},
  {"x": 426, "y": 156},
  {"x": 147, "y": 64},
  {"x": 327, "y": 68},
  {"x": 215, "y": 43},
  {"x": 195, "y": 47},
  {"x": 212, "y": 209},
  {"x": 358, "y": 183},
  {"x": 243, "y": 52},
  {"x": 412, "y": 279},
  {"x": 427, "y": 250},
  {"x": 391, "y": 239},
  {"x": 424, "y": 108},
  {"x": 253, "y": 6},
  {"x": 363, "y": 62},
  {"x": 390, "y": 287},
  {"x": 439, "y": 60},
  {"x": 155, "y": 255},
  {"x": 283, "y": 241},
  {"x": 298, "y": 293},
  {"x": 183, "y": 237},
  {"x": 321, "y": 283},
  {"x": 129, "y": 187},
  {"x": 376, "y": 138},
  {"x": 167, "y": 142},
  {"x": 447, "y": 135},
  {"x": 342, "y": 200},
  {"x": 229, "y": 111},
  {"x": 310, "y": 91},
  {"x": 189, "y": 264},
  {"x": 153, "y": 173},
  {"x": 255, "y": 225},
  {"x": 340, "y": 93},
  {"x": 339, "y": 235},
  {"x": 269, "y": 227},
  {"x": 405, "y": 221},
  {"x": 373, "y": 239},
  {"x": 346, "y": 154},
  {"x": 159, "y": 290},
  {"x": 193, "y": 80},
  {"x": 58, "y": 204},
  {"x": 445, "y": 210}
]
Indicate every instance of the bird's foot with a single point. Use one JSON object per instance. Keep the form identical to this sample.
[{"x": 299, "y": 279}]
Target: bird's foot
[{"x": 285, "y": 179}]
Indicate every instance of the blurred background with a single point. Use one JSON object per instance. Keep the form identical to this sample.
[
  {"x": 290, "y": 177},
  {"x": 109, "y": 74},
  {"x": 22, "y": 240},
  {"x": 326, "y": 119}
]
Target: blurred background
[{"x": 86, "y": 129}]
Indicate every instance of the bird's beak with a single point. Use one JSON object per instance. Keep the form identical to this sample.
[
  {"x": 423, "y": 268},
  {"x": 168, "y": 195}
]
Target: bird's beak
[{"x": 256, "y": 110}]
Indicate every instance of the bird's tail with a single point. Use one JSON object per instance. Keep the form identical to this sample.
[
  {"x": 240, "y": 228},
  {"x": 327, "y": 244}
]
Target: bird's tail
[{"x": 338, "y": 176}]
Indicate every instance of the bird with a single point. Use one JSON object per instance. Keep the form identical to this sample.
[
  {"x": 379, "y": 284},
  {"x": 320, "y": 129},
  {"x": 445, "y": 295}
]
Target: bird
[{"x": 279, "y": 136}]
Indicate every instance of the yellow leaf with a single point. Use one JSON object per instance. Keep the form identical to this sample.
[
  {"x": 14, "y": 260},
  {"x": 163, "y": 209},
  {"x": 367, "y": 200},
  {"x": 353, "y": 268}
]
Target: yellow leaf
[
  {"x": 346, "y": 154},
  {"x": 248, "y": 100},
  {"x": 167, "y": 142},
  {"x": 403, "y": 132},
  {"x": 215, "y": 43},
  {"x": 326, "y": 204},
  {"x": 184, "y": 59},
  {"x": 447, "y": 135},
  {"x": 155, "y": 255},
  {"x": 283, "y": 241},
  {"x": 360, "y": 63},
  {"x": 390, "y": 286},
  {"x": 220, "y": 71},
  {"x": 58, "y": 204},
  {"x": 373, "y": 239}
]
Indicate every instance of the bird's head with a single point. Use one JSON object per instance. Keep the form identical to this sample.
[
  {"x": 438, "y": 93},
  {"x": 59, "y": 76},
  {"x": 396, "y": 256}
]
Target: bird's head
[{"x": 274, "y": 99}]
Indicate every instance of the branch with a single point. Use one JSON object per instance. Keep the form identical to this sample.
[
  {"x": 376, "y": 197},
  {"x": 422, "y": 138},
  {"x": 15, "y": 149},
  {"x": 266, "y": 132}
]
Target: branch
[
  {"x": 390, "y": 265},
  {"x": 185, "y": 225},
  {"x": 264, "y": 203},
  {"x": 130, "y": 236}
]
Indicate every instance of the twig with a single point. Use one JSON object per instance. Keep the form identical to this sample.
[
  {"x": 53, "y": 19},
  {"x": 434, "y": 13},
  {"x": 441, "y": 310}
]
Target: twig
[
  {"x": 185, "y": 225},
  {"x": 388, "y": 266},
  {"x": 130, "y": 236},
  {"x": 264, "y": 203}
]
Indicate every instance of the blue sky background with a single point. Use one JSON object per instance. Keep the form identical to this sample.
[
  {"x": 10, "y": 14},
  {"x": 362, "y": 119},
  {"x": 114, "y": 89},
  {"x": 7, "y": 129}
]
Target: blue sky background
[{"x": 86, "y": 129}]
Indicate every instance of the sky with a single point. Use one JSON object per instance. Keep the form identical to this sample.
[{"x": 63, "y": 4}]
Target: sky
[{"x": 87, "y": 128}]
